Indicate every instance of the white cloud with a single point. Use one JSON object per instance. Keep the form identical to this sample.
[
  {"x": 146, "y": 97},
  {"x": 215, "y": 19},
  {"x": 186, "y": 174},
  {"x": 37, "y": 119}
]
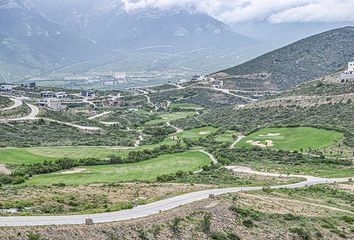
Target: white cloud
[{"x": 275, "y": 11}]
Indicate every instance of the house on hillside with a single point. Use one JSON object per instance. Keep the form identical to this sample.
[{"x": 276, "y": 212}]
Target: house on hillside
[
  {"x": 55, "y": 105},
  {"x": 88, "y": 93},
  {"x": 47, "y": 94},
  {"x": 61, "y": 95},
  {"x": 217, "y": 83},
  {"x": 114, "y": 102},
  {"x": 6, "y": 88},
  {"x": 349, "y": 74}
]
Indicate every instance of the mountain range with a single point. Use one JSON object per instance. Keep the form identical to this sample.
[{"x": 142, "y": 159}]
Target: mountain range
[
  {"x": 45, "y": 36},
  {"x": 294, "y": 64}
]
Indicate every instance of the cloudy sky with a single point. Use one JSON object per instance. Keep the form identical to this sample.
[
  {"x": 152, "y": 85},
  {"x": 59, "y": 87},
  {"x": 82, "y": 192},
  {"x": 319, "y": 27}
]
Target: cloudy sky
[{"x": 274, "y": 11}]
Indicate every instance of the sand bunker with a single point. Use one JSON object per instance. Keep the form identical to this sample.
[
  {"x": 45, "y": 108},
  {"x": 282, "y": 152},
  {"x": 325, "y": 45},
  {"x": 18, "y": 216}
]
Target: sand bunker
[
  {"x": 268, "y": 143},
  {"x": 269, "y": 135},
  {"x": 204, "y": 133},
  {"x": 75, "y": 170},
  {"x": 4, "y": 170}
]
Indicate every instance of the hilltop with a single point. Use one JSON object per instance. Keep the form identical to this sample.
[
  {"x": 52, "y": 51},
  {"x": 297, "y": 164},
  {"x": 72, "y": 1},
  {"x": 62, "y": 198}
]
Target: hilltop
[{"x": 294, "y": 64}]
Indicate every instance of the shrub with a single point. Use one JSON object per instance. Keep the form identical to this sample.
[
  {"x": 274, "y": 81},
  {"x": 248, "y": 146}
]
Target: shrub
[{"x": 34, "y": 236}]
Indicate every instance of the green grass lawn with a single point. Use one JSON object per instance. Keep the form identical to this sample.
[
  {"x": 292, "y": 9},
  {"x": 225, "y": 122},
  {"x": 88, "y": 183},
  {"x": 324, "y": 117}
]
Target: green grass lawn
[
  {"x": 228, "y": 136},
  {"x": 187, "y": 106},
  {"x": 40, "y": 154},
  {"x": 293, "y": 138},
  {"x": 20, "y": 156},
  {"x": 35, "y": 155},
  {"x": 165, "y": 117},
  {"x": 145, "y": 171},
  {"x": 193, "y": 134}
]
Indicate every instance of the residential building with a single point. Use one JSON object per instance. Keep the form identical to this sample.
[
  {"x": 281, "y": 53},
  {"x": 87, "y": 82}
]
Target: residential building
[
  {"x": 61, "y": 95},
  {"x": 47, "y": 94},
  {"x": 348, "y": 74},
  {"x": 88, "y": 93},
  {"x": 6, "y": 88}
]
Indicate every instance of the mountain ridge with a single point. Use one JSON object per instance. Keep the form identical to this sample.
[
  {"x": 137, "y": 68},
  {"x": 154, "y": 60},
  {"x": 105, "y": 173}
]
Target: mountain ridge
[{"x": 293, "y": 64}]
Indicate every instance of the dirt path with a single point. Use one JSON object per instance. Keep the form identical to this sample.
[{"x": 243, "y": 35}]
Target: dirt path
[
  {"x": 100, "y": 115},
  {"x": 239, "y": 138},
  {"x": 141, "y": 138},
  {"x": 178, "y": 130},
  {"x": 226, "y": 91},
  {"x": 299, "y": 202},
  {"x": 211, "y": 156},
  {"x": 84, "y": 128}
]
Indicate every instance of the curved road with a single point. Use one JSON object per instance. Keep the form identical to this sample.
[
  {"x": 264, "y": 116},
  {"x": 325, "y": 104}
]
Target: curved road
[
  {"x": 155, "y": 207},
  {"x": 32, "y": 116},
  {"x": 84, "y": 128},
  {"x": 239, "y": 138},
  {"x": 17, "y": 103}
]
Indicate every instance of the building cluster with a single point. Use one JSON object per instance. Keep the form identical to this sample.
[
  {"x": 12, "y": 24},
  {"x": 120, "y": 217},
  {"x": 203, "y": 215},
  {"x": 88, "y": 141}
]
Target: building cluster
[
  {"x": 208, "y": 80},
  {"x": 6, "y": 88},
  {"x": 113, "y": 78},
  {"x": 52, "y": 100},
  {"x": 348, "y": 75}
]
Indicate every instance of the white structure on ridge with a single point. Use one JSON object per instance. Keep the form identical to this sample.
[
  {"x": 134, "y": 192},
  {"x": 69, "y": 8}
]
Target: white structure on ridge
[{"x": 349, "y": 74}]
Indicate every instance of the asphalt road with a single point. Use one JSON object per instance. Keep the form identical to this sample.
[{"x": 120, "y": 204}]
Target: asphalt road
[
  {"x": 17, "y": 102},
  {"x": 151, "y": 208},
  {"x": 31, "y": 116}
]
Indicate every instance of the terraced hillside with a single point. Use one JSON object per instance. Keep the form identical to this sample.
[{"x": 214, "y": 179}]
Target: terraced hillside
[{"x": 301, "y": 61}]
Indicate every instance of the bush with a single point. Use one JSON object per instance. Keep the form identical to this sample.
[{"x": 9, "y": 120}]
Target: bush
[
  {"x": 248, "y": 223},
  {"x": 302, "y": 233},
  {"x": 224, "y": 236},
  {"x": 34, "y": 236}
]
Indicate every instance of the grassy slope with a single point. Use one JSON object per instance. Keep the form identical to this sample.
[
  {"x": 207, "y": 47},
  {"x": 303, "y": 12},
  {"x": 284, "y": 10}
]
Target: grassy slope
[
  {"x": 145, "y": 171},
  {"x": 165, "y": 117},
  {"x": 294, "y": 138},
  {"x": 187, "y": 106},
  {"x": 39, "y": 154}
]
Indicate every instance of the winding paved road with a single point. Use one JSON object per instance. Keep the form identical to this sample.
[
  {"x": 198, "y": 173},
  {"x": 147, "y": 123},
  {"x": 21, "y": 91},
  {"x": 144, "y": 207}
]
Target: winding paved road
[
  {"x": 162, "y": 205},
  {"x": 31, "y": 116},
  {"x": 148, "y": 209},
  {"x": 17, "y": 103}
]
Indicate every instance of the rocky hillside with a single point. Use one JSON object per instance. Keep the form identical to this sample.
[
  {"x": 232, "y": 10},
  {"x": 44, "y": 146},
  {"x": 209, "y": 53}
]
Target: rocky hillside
[
  {"x": 323, "y": 86},
  {"x": 299, "y": 62}
]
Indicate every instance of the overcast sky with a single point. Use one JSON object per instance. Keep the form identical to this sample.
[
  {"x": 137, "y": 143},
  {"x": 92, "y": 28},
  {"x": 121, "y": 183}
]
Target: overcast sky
[{"x": 274, "y": 11}]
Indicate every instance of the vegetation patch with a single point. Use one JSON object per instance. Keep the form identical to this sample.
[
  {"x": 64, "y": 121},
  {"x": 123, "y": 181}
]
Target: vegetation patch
[{"x": 142, "y": 171}]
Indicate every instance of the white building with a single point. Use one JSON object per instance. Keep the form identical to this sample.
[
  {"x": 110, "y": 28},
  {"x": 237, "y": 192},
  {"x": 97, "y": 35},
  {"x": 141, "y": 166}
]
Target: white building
[
  {"x": 47, "y": 94},
  {"x": 6, "y": 88},
  {"x": 61, "y": 95},
  {"x": 349, "y": 74}
]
